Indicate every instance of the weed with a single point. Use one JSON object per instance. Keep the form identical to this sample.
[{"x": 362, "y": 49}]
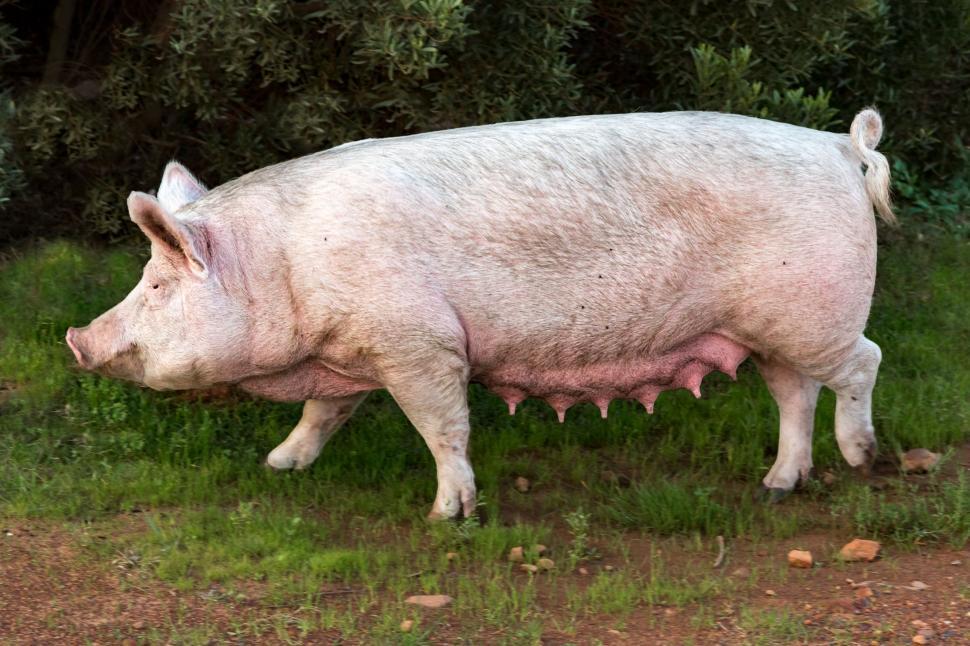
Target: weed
[
  {"x": 910, "y": 514},
  {"x": 579, "y": 547},
  {"x": 768, "y": 626},
  {"x": 667, "y": 507}
]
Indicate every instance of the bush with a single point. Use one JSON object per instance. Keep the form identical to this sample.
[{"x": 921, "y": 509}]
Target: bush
[{"x": 231, "y": 85}]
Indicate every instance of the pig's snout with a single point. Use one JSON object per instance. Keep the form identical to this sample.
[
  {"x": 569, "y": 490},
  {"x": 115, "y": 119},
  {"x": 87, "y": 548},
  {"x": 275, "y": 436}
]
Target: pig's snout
[
  {"x": 74, "y": 344},
  {"x": 101, "y": 347}
]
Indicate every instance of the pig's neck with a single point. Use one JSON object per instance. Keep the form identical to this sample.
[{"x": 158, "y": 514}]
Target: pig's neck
[{"x": 279, "y": 359}]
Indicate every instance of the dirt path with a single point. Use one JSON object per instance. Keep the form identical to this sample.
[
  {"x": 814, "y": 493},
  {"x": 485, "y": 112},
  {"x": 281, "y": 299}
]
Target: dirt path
[
  {"x": 883, "y": 602},
  {"x": 54, "y": 591}
]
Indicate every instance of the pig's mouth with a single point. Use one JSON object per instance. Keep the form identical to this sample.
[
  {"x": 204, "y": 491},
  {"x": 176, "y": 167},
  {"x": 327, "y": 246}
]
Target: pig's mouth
[{"x": 126, "y": 364}]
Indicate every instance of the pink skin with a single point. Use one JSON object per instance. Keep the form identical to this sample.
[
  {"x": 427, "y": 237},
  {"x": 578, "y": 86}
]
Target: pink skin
[
  {"x": 72, "y": 344},
  {"x": 309, "y": 380},
  {"x": 101, "y": 346},
  {"x": 500, "y": 255},
  {"x": 642, "y": 379}
]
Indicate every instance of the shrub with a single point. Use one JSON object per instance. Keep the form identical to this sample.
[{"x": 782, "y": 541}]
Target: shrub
[{"x": 231, "y": 85}]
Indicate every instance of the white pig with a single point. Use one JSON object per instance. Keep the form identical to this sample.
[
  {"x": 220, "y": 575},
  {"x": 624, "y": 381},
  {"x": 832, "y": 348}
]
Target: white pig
[{"x": 578, "y": 259}]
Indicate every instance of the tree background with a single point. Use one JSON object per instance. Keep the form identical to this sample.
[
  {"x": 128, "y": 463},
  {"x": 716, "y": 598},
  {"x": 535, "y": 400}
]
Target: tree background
[{"x": 96, "y": 95}]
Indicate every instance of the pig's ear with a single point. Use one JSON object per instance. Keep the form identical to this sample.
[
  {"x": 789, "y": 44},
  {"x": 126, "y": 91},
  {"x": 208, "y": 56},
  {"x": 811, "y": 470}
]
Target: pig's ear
[
  {"x": 180, "y": 241},
  {"x": 179, "y": 187}
]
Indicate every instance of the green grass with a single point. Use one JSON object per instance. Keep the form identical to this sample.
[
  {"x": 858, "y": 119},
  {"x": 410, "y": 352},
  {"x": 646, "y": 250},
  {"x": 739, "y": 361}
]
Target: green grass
[
  {"x": 78, "y": 447},
  {"x": 911, "y": 514}
]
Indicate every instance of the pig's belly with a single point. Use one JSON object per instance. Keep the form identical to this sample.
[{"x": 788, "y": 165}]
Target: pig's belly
[
  {"x": 307, "y": 380},
  {"x": 642, "y": 378}
]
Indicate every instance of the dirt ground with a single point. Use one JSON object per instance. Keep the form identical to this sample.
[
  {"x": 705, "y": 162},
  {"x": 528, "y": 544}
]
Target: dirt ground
[{"x": 53, "y": 591}]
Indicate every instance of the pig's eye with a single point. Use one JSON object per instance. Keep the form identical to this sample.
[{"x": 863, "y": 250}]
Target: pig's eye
[{"x": 155, "y": 286}]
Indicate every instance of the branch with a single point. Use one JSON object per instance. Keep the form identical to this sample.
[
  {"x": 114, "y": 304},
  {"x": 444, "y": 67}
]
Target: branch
[{"x": 63, "y": 17}]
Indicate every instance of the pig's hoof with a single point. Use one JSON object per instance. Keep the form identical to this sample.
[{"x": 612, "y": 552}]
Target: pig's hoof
[
  {"x": 295, "y": 453},
  {"x": 804, "y": 478},
  {"x": 478, "y": 514},
  {"x": 861, "y": 455},
  {"x": 452, "y": 509},
  {"x": 284, "y": 459},
  {"x": 277, "y": 463},
  {"x": 437, "y": 517},
  {"x": 865, "y": 467},
  {"x": 773, "y": 495}
]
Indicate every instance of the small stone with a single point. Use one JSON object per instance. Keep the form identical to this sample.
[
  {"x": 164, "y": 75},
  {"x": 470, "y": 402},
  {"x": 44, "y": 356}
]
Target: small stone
[
  {"x": 522, "y": 484},
  {"x": 528, "y": 567},
  {"x": 608, "y": 568},
  {"x": 829, "y": 479},
  {"x": 863, "y": 592},
  {"x": 583, "y": 571},
  {"x": 860, "y": 550},
  {"x": 451, "y": 556},
  {"x": 918, "y": 586},
  {"x": 956, "y": 562},
  {"x": 918, "y": 460},
  {"x": 800, "y": 559},
  {"x": 139, "y": 625},
  {"x": 770, "y": 593},
  {"x": 920, "y": 639},
  {"x": 430, "y": 600},
  {"x": 741, "y": 572},
  {"x": 516, "y": 554},
  {"x": 407, "y": 625},
  {"x": 919, "y": 624},
  {"x": 546, "y": 564},
  {"x": 540, "y": 549}
]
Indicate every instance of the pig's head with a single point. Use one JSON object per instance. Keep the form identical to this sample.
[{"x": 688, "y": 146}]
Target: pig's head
[{"x": 179, "y": 327}]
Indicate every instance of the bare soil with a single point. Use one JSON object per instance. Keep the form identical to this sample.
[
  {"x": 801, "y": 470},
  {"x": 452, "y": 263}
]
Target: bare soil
[{"x": 53, "y": 591}]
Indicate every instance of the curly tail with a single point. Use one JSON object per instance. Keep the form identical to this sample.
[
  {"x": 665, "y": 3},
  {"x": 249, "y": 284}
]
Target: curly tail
[{"x": 865, "y": 133}]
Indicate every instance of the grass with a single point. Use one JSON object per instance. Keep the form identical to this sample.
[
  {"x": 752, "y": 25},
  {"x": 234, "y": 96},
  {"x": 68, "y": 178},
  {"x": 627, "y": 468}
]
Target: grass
[
  {"x": 911, "y": 514},
  {"x": 76, "y": 447}
]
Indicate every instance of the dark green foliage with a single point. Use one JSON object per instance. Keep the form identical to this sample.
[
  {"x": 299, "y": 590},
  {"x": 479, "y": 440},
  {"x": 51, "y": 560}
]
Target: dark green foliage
[{"x": 231, "y": 85}]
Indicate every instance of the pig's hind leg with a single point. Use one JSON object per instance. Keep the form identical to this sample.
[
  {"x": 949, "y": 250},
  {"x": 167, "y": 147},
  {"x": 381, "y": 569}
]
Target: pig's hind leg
[
  {"x": 321, "y": 419},
  {"x": 433, "y": 393},
  {"x": 853, "y": 379},
  {"x": 796, "y": 396}
]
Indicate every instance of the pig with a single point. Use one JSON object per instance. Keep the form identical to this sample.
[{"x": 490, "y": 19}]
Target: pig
[{"x": 579, "y": 259}]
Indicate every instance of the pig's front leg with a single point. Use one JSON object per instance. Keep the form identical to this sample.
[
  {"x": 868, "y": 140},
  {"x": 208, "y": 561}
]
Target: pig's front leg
[
  {"x": 435, "y": 400},
  {"x": 321, "y": 419}
]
